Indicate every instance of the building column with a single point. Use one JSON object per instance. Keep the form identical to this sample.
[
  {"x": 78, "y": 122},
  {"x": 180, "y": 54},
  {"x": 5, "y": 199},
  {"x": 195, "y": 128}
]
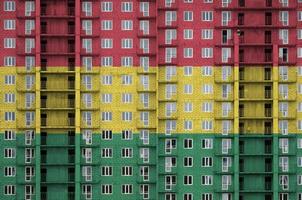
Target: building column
[
  {"x": 77, "y": 100},
  {"x": 38, "y": 103},
  {"x": 275, "y": 122},
  {"x": 236, "y": 116}
]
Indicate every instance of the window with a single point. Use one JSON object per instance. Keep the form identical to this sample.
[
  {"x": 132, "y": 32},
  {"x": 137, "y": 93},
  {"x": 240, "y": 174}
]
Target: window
[
  {"x": 208, "y": 196},
  {"x": 206, "y": 180},
  {"x": 29, "y": 62},
  {"x": 188, "y": 161},
  {"x": 207, "y": 143},
  {"x": 87, "y": 26},
  {"x": 106, "y": 6},
  {"x": 207, "y": 52},
  {"x": 299, "y": 34},
  {"x": 299, "y": 161},
  {"x": 9, "y": 190},
  {"x": 29, "y": 26},
  {"x": 87, "y": 63},
  {"x": 29, "y": 99},
  {"x": 226, "y": 145},
  {"x": 188, "y": 180},
  {"x": 188, "y": 16},
  {"x": 126, "y": 79},
  {"x": 144, "y": 118},
  {"x": 9, "y": 98},
  {"x": 188, "y": 125},
  {"x": 206, "y": 162},
  {"x": 144, "y": 154},
  {"x": 188, "y": 106},
  {"x": 106, "y": 98},
  {"x": 106, "y": 61},
  {"x": 127, "y": 25},
  {"x": 144, "y": 136},
  {"x": 127, "y": 6},
  {"x": 126, "y": 98},
  {"x": 188, "y": 34},
  {"x": 127, "y": 61},
  {"x": 106, "y": 134},
  {"x": 226, "y": 163},
  {"x": 127, "y": 153},
  {"x": 144, "y": 25},
  {"x": 207, "y": 16},
  {"x": 188, "y": 52},
  {"x": 299, "y": 52},
  {"x": 9, "y": 6},
  {"x": 87, "y": 118},
  {"x": 107, "y": 153},
  {"x": 87, "y": 82},
  {"x": 87, "y": 191},
  {"x": 29, "y": 118},
  {"x": 107, "y": 80},
  {"x": 87, "y": 173},
  {"x": 87, "y": 44},
  {"x": 9, "y": 61},
  {"x": 106, "y": 25},
  {"x": 106, "y": 189},
  {"x": 284, "y": 181},
  {"x": 226, "y": 182},
  {"x": 127, "y": 189},
  {"x": 170, "y": 17},
  {"x": 207, "y": 107},
  {"x": 188, "y": 143},
  {"x": 225, "y": 18},
  {"x": 87, "y": 8},
  {"x": 9, "y": 171},
  {"x": 283, "y": 35},
  {"x": 127, "y": 116},
  {"x": 9, "y": 116},
  {"x": 284, "y": 17},
  {"x": 144, "y": 172},
  {"x": 127, "y": 135},
  {"x": 127, "y": 43},
  {"x": 106, "y": 116},
  {"x": 188, "y": 89},
  {"x": 144, "y": 8},
  {"x": 299, "y": 143},
  {"x": 207, "y": 125},
  {"x": 207, "y": 70},
  {"x": 106, "y": 171},
  {"x": 299, "y": 16},
  {"x": 9, "y": 79},
  {"x": 9, "y": 153},
  {"x": 9, "y": 135},
  {"x": 9, "y": 24},
  {"x": 207, "y": 89},
  {"x": 207, "y": 34},
  {"x": 225, "y": 54},
  {"x": 9, "y": 43},
  {"x": 127, "y": 171},
  {"x": 106, "y": 43}
]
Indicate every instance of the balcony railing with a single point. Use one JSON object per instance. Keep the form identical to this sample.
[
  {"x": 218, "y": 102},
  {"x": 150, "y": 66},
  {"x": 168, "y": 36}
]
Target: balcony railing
[
  {"x": 43, "y": 121},
  {"x": 71, "y": 121},
  {"x": 71, "y": 85}
]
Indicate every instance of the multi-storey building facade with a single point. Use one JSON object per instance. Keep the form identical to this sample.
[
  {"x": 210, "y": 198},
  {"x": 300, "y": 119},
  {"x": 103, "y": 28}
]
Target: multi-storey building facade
[{"x": 151, "y": 99}]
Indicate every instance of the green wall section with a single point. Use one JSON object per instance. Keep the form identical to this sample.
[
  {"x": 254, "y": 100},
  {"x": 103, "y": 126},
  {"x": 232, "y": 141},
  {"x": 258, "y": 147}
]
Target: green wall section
[{"x": 254, "y": 170}]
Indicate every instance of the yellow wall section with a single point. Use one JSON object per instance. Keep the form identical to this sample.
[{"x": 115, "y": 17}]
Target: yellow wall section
[{"x": 57, "y": 78}]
